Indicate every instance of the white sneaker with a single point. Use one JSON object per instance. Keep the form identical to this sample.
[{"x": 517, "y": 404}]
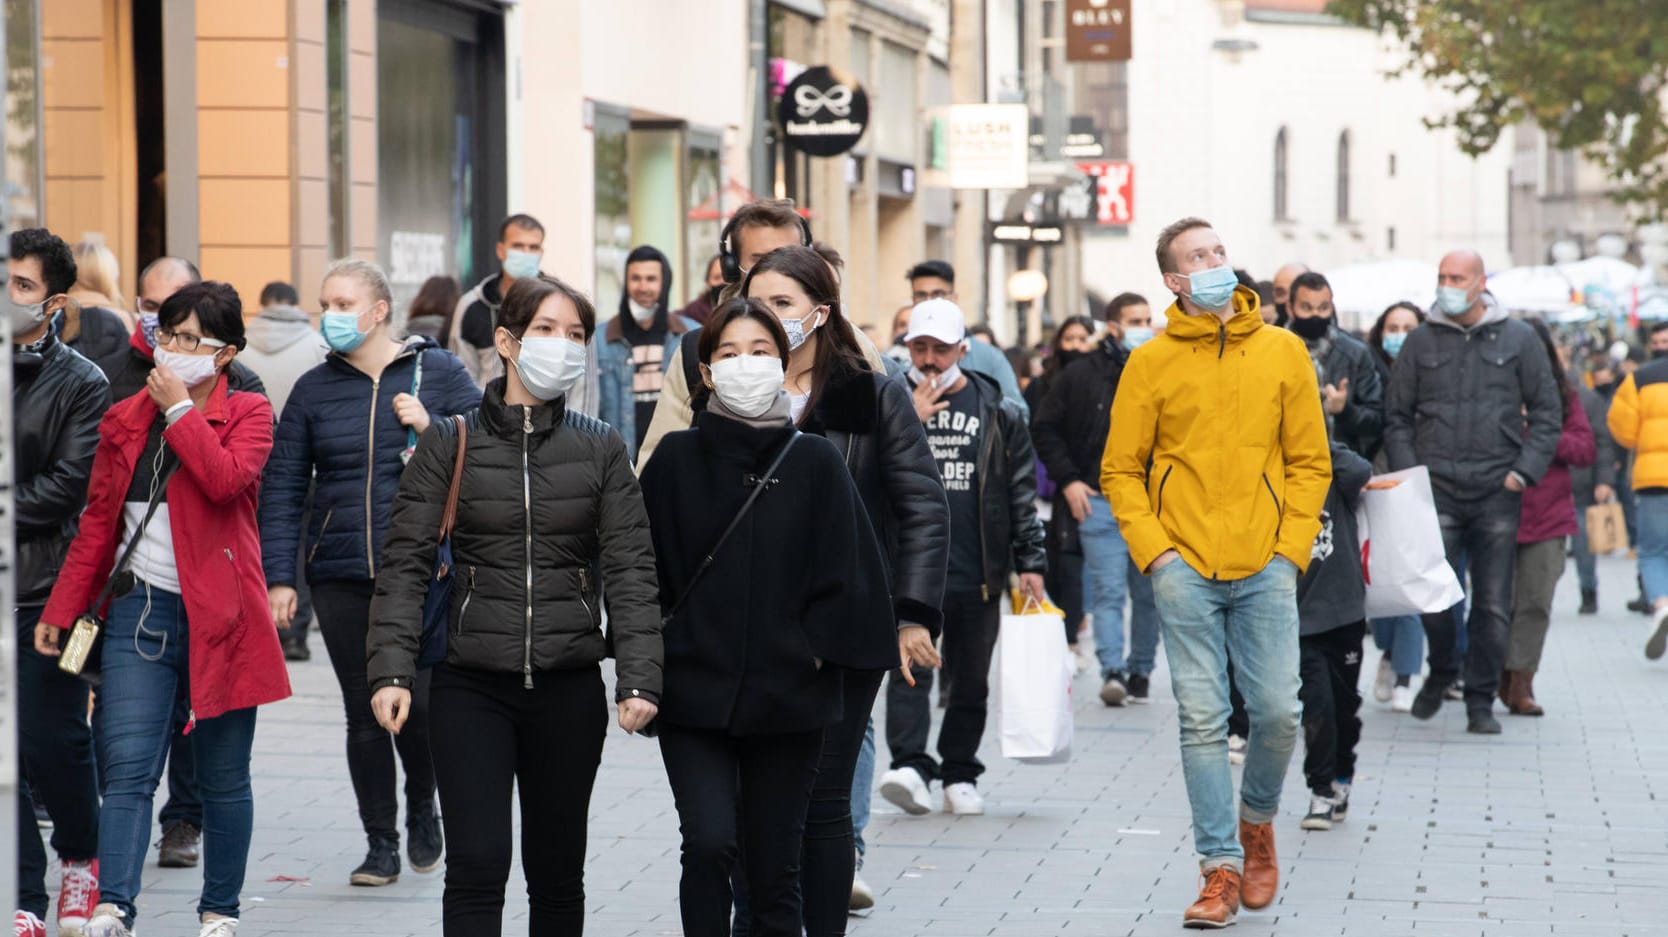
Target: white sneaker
[
  {"x": 905, "y": 789},
  {"x": 963, "y": 800},
  {"x": 217, "y": 926},
  {"x": 107, "y": 921},
  {"x": 1401, "y": 699},
  {"x": 1385, "y": 681},
  {"x": 1320, "y": 813},
  {"x": 1236, "y": 750},
  {"x": 862, "y": 898}
]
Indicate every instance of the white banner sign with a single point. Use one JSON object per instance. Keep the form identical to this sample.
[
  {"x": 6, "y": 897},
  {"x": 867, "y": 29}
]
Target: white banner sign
[{"x": 987, "y": 146}]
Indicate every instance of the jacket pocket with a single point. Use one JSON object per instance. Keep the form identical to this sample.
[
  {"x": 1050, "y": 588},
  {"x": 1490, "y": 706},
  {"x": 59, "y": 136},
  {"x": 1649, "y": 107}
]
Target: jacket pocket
[
  {"x": 320, "y": 540},
  {"x": 1500, "y": 370},
  {"x": 1158, "y": 508},
  {"x": 1279, "y": 514}
]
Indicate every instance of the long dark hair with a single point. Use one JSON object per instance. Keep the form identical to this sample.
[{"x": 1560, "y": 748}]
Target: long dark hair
[
  {"x": 1557, "y": 369},
  {"x": 437, "y": 297},
  {"x": 1054, "y": 363},
  {"x": 837, "y": 348},
  {"x": 1375, "y": 335}
]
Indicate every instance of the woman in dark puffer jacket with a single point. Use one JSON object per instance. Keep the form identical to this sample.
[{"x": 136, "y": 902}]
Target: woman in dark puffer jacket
[
  {"x": 546, "y": 501},
  {"x": 347, "y": 429}
]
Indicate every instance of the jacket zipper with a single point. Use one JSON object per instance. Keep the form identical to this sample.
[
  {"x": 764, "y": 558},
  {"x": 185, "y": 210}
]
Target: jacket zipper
[
  {"x": 1161, "y": 483},
  {"x": 320, "y": 541},
  {"x": 370, "y": 475},
  {"x": 1221, "y": 339},
  {"x": 585, "y": 590},
  {"x": 984, "y": 473},
  {"x": 467, "y": 597},
  {"x": 527, "y": 515}
]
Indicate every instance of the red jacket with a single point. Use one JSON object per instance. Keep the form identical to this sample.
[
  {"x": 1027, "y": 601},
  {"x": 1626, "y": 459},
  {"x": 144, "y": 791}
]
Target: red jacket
[
  {"x": 1549, "y": 505},
  {"x": 236, "y": 661}
]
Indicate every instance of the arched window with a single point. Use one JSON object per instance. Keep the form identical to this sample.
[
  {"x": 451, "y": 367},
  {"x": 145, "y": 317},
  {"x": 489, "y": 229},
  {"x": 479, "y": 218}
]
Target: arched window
[
  {"x": 1343, "y": 176},
  {"x": 1280, "y": 175}
]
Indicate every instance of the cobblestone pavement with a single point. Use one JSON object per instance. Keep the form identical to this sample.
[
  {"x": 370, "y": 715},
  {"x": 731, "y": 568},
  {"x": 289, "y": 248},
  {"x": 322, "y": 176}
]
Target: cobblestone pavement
[{"x": 1557, "y": 827}]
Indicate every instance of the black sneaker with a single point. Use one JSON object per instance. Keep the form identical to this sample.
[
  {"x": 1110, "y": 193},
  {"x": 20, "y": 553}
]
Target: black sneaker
[
  {"x": 424, "y": 841},
  {"x": 1641, "y": 605},
  {"x": 1482, "y": 722},
  {"x": 1319, "y": 816},
  {"x": 1429, "y": 699},
  {"x": 1340, "y": 801},
  {"x": 1589, "y": 602},
  {"x": 1138, "y": 687},
  {"x": 296, "y": 650},
  {"x": 381, "y": 865}
]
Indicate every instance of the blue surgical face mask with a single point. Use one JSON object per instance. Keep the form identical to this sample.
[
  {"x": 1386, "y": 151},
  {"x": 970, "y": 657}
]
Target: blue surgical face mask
[
  {"x": 1393, "y": 343},
  {"x": 1137, "y": 335},
  {"x": 1453, "y": 300},
  {"x": 520, "y": 265},
  {"x": 1213, "y": 289},
  {"x": 341, "y": 331}
]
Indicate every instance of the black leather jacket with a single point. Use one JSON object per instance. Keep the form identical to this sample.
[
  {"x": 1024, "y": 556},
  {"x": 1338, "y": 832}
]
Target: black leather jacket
[
  {"x": 1011, "y": 536},
  {"x": 58, "y": 400}
]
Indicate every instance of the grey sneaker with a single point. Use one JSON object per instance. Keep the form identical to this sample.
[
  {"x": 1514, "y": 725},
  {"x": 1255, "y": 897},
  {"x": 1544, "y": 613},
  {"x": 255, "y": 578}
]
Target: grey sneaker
[
  {"x": 108, "y": 921},
  {"x": 1113, "y": 692}
]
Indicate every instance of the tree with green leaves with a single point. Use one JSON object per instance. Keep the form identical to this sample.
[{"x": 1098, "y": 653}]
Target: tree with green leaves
[{"x": 1590, "y": 73}]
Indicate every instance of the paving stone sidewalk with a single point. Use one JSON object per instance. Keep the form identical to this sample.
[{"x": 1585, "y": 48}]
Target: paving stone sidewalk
[{"x": 1557, "y": 827}]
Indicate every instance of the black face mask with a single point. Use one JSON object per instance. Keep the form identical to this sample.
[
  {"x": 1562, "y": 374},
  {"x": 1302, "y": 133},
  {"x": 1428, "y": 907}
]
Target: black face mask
[
  {"x": 1280, "y": 317},
  {"x": 1312, "y": 329},
  {"x": 1655, "y": 354}
]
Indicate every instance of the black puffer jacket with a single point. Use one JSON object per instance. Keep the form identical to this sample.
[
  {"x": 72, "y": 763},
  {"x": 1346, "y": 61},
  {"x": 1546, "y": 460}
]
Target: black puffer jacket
[
  {"x": 871, "y": 419},
  {"x": 548, "y": 498},
  {"x": 1071, "y": 423},
  {"x": 58, "y": 399}
]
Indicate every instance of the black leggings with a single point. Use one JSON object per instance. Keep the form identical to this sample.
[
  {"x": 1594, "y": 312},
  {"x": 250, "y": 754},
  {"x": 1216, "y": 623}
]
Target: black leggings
[
  {"x": 343, "y": 608},
  {"x": 489, "y": 733}
]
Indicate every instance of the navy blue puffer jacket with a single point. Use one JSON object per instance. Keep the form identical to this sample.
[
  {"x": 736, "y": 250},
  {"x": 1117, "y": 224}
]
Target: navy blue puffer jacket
[{"x": 341, "y": 425}]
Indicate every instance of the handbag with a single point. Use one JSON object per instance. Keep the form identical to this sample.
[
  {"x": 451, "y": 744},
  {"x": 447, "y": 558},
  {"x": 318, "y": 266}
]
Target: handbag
[
  {"x": 760, "y": 483},
  {"x": 437, "y": 604},
  {"x": 81, "y": 650}
]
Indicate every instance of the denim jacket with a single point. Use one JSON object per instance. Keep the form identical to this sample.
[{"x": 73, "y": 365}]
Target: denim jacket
[{"x": 615, "y": 370}]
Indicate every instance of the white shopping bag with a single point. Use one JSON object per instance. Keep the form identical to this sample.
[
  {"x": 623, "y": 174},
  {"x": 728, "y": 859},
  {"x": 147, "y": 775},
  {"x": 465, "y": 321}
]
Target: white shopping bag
[
  {"x": 1032, "y": 681},
  {"x": 1402, "y": 557}
]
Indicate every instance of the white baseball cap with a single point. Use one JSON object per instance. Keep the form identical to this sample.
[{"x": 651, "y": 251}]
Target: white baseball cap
[{"x": 937, "y": 318}]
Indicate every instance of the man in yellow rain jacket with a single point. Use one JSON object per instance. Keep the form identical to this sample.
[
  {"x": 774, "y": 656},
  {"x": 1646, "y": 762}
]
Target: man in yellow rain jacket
[{"x": 1217, "y": 466}]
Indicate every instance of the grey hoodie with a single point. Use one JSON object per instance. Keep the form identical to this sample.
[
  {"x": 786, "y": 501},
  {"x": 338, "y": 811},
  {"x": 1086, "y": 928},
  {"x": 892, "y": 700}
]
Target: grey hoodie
[{"x": 283, "y": 345}]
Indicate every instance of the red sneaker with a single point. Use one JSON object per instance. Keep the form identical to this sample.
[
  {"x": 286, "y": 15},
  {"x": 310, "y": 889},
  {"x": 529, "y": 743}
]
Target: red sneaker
[
  {"x": 25, "y": 924},
  {"x": 78, "y": 897}
]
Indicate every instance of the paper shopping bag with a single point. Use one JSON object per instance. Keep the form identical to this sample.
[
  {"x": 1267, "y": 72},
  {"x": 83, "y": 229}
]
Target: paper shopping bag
[
  {"x": 1033, "y": 673},
  {"x": 1606, "y": 528},
  {"x": 1402, "y": 557}
]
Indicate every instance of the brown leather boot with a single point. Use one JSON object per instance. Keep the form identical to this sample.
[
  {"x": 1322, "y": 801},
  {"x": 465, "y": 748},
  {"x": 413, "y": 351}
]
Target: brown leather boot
[
  {"x": 1218, "y": 902},
  {"x": 1262, "y": 869},
  {"x": 1522, "y": 701}
]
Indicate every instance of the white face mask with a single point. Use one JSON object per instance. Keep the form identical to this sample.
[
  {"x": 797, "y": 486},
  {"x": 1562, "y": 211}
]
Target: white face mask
[
  {"x": 946, "y": 378},
  {"x": 641, "y": 313},
  {"x": 192, "y": 369},
  {"x": 25, "y": 317},
  {"x": 550, "y": 366},
  {"x": 747, "y": 384}
]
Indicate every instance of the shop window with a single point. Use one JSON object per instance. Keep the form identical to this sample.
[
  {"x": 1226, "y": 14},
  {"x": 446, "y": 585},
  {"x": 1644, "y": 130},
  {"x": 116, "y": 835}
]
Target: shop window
[{"x": 23, "y": 110}]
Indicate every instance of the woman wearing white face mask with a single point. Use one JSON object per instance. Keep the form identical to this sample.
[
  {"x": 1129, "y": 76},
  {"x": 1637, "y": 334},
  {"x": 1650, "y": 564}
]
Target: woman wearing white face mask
[
  {"x": 347, "y": 430},
  {"x": 753, "y": 686},
  {"x": 172, "y": 494},
  {"x": 546, "y": 501}
]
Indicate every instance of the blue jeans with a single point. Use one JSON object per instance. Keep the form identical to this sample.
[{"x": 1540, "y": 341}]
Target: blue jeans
[
  {"x": 1143, "y": 623},
  {"x": 1105, "y": 572},
  {"x": 1403, "y": 638},
  {"x": 1255, "y": 620},
  {"x": 1652, "y": 512},
  {"x": 1586, "y": 566},
  {"x": 146, "y": 662},
  {"x": 862, "y": 790}
]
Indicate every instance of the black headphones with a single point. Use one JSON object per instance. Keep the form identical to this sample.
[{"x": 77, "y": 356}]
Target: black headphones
[{"x": 729, "y": 265}]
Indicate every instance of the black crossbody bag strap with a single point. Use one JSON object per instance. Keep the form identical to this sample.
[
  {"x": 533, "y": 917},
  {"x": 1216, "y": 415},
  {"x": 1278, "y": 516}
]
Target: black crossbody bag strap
[
  {"x": 109, "y": 590},
  {"x": 764, "y": 482}
]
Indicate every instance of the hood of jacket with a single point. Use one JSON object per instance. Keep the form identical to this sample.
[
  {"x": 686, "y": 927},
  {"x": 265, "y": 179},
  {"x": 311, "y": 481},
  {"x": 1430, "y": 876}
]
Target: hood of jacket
[
  {"x": 638, "y": 255},
  {"x": 1492, "y": 312},
  {"x": 1188, "y": 327},
  {"x": 277, "y": 328}
]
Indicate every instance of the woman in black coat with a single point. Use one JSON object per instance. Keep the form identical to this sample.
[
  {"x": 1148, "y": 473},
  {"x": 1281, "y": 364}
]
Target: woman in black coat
[
  {"x": 546, "y": 501},
  {"x": 757, "y": 647}
]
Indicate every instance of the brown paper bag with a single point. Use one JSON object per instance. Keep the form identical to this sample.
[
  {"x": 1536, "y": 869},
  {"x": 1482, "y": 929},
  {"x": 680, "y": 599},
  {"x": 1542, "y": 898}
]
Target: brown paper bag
[{"x": 1606, "y": 528}]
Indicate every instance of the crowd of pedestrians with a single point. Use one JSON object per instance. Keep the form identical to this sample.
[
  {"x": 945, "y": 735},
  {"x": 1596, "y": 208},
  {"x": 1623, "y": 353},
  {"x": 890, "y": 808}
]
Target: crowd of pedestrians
[{"x": 762, "y": 514}]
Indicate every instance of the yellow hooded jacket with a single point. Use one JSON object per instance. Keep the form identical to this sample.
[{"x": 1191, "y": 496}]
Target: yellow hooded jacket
[{"x": 1228, "y": 416}]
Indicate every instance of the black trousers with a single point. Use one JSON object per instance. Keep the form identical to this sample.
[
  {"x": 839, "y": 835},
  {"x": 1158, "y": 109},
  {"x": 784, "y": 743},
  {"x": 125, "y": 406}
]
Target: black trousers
[
  {"x": 741, "y": 797},
  {"x": 1064, "y": 578},
  {"x": 1330, "y": 666},
  {"x": 489, "y": 733},
  {"x": 344, "y": 611},
  {"x": 970, "y": 628},
  {"x": 55, "y": 758},
  {"x": 1483, "y": 535},
  {"x": 829, "y": 859}
]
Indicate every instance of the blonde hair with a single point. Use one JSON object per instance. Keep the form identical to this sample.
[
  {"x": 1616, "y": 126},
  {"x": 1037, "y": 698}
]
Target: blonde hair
[{"x": 96, "y": 270}]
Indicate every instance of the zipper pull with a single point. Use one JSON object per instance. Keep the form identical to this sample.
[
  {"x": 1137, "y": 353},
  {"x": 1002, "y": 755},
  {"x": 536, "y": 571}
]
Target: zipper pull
[
  {"x": 526, "y": 419},
  {"x": 190, "y": 723}
]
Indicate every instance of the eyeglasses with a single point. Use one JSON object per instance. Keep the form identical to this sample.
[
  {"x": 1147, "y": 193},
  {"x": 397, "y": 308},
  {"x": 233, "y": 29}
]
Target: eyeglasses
[{"x": 186, "y": 341}]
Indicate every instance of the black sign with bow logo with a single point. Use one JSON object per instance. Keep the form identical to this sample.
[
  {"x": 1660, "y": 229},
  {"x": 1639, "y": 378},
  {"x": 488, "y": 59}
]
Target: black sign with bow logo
[{"x": 824, "y": 112}]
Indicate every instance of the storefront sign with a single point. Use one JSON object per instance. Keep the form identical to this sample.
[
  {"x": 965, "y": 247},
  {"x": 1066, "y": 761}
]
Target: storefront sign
[
  {"x": 823, "y": 112},
  {"x": 1113, "y": 186},
  {"x": 988, "y": 146},
  {"x": 1027, "y": 234},
  {"x": 1097, "y": 30}
]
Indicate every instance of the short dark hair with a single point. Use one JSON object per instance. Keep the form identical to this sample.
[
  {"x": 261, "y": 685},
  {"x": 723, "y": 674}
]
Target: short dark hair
[
  {"x": 1115, "y": 308},
  {"x": 524, "y": 222},
  {"x": 983, "y": 329},
  {"x": 828, "y": 253},
  {"x": 741, "y": 307},
  {"x": 1308, "y": 281},
  {"x": 279, "y": 292},
  {"x": 218, "y": 310},
  {"x": 933, "y": 268},
  {"x": 1659, "y": 327},
  {"x": 1166, "y": 262},
  {"x": 523, "y": 300},
  {"x": 57, "y": 260}
]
